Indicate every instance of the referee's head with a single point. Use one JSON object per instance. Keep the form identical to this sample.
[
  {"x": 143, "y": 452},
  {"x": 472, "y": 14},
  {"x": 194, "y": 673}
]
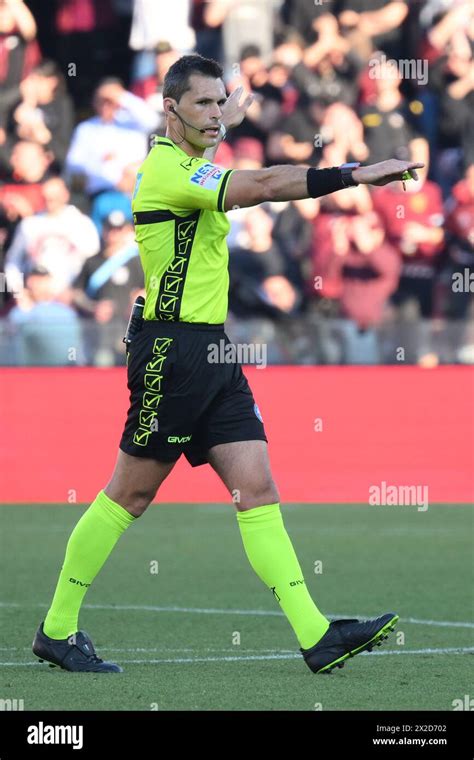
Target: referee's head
[{"x": 193, "y": 93}]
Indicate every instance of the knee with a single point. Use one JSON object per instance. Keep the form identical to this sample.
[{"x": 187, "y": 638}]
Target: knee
[
  {"x": 256, "y": 495},
  {"x": 136, "y": 502}
]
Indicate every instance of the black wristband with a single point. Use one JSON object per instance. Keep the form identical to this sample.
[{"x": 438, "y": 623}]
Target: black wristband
[{"x": 324, "y": 181}]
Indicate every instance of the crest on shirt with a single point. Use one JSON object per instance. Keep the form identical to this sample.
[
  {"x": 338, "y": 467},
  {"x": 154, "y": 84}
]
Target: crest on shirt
[{"x": 188, "y": 163}]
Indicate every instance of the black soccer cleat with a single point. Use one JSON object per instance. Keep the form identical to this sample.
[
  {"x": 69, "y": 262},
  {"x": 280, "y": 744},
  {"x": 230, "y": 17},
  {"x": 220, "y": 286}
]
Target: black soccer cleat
[
  {"x": 346, "y": 638},
  {"x": 76, "y": 653}
]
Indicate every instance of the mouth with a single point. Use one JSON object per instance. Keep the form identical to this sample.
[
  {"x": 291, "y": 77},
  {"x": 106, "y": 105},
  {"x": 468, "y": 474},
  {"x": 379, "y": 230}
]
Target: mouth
[{"x": 213, "y": 131}]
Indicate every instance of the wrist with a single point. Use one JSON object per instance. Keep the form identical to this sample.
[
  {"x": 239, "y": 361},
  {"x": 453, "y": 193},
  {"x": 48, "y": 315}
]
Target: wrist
[{"x": 349, "y": 174}]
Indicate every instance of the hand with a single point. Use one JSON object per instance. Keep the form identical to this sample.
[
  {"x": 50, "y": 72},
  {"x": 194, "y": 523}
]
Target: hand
[
  {"x": 349, "y": 18},
  {"x": 233, "y": 113},
  {"x": 104, "y": 311},
  {"x": 16, "y": 206},
  {"x": 385, "y": 172},
  {"x": 29, "y": 90}
]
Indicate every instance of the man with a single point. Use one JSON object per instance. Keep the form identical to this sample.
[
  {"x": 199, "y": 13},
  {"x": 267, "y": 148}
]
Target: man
[
  {"x": 104, "y": 145},
  {"x": 46, "y": 332},
  {"x": 106, "y": 287},
  {"x": 181, "y": 402},
  {"x": 61, "y": 239}
]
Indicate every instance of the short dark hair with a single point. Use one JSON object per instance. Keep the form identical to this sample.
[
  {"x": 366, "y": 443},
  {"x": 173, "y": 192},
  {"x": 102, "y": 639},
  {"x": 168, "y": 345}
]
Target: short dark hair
[
  {"x": 48, "y": 68},
  {"x": 176, "y": 81}
]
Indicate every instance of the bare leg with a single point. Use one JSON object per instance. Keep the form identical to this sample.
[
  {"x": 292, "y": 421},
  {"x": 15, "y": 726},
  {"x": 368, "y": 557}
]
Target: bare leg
[
  {"x": 135, "y": 481},
  {"x": 244, "y": 468}
]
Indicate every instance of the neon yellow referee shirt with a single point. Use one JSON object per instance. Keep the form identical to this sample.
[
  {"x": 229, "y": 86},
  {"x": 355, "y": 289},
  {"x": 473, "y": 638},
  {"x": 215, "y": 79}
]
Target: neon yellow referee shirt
[{"x": 181, "y": 230}]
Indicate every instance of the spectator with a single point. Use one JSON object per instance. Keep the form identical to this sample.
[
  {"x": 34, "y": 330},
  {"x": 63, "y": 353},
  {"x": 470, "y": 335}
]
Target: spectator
[
  {"x": 452, "y": 79},
  {"x": 150, "y": 88},
  {"x": 207, "y": 18},
  {"x": 44, "y": 113},
  {"x": 304, "y": 17},
  {"x": 293, "y": 232},
  {"x": 414, "y": 224},
  {"x": 460, "y": 248},
  {"x": 107, "y": 286},
  {"x": 154, "y": 22},
  {"x": 358, "y": 267},
  {"x": 378, "y": 20},
  {"x": 295, "y": 140},
  {"x": 247, "y": 22},
  {"x": 90, "y": 45},
  {"x": 342, "y": 134},
  {"x": 104, "y": 145},
  {"x": 329, "y": 69},
  {"x": 60, "y": 240},
  {"x": 19, "y": 52},
  {"x": 21, "y": 194},
  {"x": 389, "y": 127},
  {"x": 46, "y": 332},
  {"x": 116, "y": 200},
  {"x": 264, "y": 112},
  {"x": 248, "y": 154},
  {"x": 258, "y": 258}
]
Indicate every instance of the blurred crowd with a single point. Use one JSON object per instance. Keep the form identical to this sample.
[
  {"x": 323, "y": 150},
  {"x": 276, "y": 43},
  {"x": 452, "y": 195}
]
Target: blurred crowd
[{"x": 335, "y": 80}]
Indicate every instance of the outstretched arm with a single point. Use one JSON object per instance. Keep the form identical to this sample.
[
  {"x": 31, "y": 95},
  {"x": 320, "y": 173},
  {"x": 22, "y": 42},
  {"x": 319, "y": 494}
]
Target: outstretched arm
[{"x": 288, "y": 183}]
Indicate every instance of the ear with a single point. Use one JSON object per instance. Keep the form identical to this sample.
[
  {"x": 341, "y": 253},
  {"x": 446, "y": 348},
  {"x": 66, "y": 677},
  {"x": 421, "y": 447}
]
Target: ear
[{"x": 169, "y": 106}]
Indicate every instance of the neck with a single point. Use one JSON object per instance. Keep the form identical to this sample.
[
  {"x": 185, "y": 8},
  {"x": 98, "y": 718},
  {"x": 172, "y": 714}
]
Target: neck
[{"x": 191, "y": 150}]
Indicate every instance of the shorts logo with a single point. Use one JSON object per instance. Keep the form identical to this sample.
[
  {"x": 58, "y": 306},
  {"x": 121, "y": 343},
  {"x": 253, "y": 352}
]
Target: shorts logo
[
  {"x": 257, "y": 413},
  {"x": 179, "y": 439},
  {"x": 207, "y": 176}
]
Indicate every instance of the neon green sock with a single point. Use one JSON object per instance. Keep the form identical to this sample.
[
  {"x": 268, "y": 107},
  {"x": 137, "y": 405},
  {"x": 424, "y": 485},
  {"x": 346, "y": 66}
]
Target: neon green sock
[
  {"x": 271, "y": 554},
  {"x": 89, "y": 545}
]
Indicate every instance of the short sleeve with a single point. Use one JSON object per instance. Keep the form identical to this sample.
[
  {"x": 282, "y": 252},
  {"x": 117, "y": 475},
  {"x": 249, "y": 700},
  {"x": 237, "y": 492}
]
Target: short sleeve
[{"x": 198, "y": 183}]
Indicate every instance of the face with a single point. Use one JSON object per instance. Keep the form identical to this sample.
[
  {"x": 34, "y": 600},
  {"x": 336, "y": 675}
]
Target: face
[
  {"x": 29, "y": 161},
  {"x": 40, "y": 287},
  {"x": 201, "y": 107},
  {"x": 46, "y": 88},
  {"x": 55, "y": 194},
  {"x": 104, "y": 106},
  {"x": 116, "y": 237}
]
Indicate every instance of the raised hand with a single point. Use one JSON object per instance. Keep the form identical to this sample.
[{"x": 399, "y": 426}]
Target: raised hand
[{"x": 234, "y": 112}]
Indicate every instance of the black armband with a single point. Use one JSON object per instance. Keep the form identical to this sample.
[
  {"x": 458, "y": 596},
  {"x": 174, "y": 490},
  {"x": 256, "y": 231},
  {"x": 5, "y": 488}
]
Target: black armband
[{"x": 324, "y": 181}]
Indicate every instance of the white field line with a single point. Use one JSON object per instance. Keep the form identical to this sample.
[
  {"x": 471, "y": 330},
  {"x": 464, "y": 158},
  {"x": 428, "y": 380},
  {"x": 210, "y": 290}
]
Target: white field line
[
  {"x": 215, "y": 611},
  {"x": 275, "y": 656}
]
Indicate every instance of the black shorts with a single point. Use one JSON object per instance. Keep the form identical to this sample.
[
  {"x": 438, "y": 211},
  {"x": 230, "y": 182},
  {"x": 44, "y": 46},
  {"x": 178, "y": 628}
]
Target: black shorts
[{"x": 182, "y": 403}]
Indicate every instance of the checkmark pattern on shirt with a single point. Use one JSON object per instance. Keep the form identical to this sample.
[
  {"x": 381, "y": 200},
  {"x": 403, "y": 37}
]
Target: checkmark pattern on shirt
[{"x": 173, "y": 280}]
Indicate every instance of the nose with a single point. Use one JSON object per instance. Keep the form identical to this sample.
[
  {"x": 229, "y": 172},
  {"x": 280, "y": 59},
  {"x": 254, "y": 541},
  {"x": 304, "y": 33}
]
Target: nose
[{"x": 216, "y": 111}]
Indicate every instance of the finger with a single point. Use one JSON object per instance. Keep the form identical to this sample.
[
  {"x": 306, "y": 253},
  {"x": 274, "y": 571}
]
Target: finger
[
  {"x": 415, "y": 166},
  {"x": 248, "y": 100},
  {"x": 236, "y": 94}
]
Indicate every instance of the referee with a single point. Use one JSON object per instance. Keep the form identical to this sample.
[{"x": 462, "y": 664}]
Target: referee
[{"x": 180, "y": 403}]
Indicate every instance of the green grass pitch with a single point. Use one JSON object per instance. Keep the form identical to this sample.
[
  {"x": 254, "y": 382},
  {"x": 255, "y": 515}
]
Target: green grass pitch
[{"x": 178, "y": 606}]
